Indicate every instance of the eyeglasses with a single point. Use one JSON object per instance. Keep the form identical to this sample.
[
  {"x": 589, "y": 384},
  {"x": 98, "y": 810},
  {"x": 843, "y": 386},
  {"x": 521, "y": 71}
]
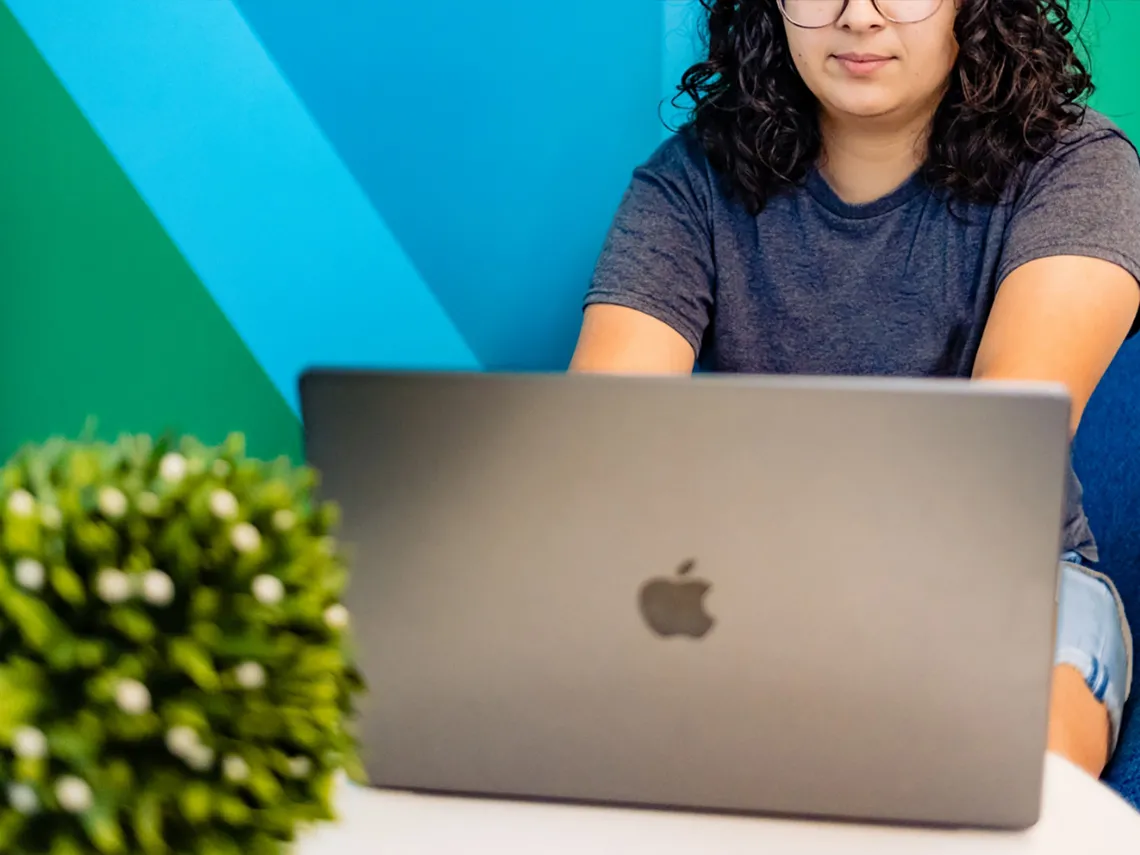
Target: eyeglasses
[{"x": 815, "y": 14}]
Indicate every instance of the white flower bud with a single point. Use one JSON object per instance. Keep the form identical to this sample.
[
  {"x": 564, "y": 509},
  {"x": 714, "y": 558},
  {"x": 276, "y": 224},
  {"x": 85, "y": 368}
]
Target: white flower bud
[
  {"x": 23, "y": 799},
  {"x": 245, "y": 538},
  {"x": 250, "y": 675},
  {"x": 29, "y": 574},
  {"x": 112, "y": 502},
  {"x": 21, "y": 503},
  {"x": 336, "y": 616},
  {"x": 51, "y": 517},
  {"x": 268, "y": 590},
  {"x": 172, "y": 468},
  {"x": 157, "y": 588},
  {"x": 73, "y": 794},
  {"x": 200, "y": 758},
  {"x": 132, "y": 697},
  {"x": 182, "y": 740},
  {"x": 300, "y": 767},
  {"x": 284, "y": 519},
  {"x": 223, "y": 504},
  {"x": 29, "y": 743},
  {"x": 235, "y": 768},
  {"x": 112, "y": 586}
]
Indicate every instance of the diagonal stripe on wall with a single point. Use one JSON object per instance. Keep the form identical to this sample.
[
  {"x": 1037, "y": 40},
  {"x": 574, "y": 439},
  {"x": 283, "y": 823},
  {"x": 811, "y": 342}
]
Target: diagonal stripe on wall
[
  {"x": 494, "y": 138},
  {"x": 99, "y": 313},
  {"x": 245, "y": 184}
]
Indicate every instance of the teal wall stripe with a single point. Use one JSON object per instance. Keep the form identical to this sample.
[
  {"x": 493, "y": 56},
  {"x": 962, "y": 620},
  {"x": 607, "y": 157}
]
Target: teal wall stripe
[{"x": 245, "y": 183}]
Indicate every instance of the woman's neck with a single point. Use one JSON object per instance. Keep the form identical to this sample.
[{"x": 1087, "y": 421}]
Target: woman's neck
[{"x": 865, "y": 159}]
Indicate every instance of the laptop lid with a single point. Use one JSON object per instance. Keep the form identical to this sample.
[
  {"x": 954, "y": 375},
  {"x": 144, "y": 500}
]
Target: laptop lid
[{"x": 822, "y": 597}]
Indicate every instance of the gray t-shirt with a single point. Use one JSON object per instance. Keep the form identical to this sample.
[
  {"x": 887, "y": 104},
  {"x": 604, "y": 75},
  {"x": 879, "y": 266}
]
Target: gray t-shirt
[{"x": 901, "y": 286}]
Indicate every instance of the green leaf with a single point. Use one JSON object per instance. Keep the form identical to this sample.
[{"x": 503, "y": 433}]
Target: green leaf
[
  {"x": 84, "y": 465},
  {"x": 275, "y": 494},
  {"x": 65, "y": 844},
  {"x": 318, "y": 661},
  {"x": 133, "y": 728},
  {"x": 196, "y": 802},
  {"x": 325, "y": 690},
  {"x": 355, "y": 771},
  {"x": 32, "y": 769},
  {"x": 233, "y": 809},
  {"x": 206, "y": 634},
  {"x": 204, "y": 603},
  {"x": 32, "y": 617},
  {"x": 178, "y": 713},
  {"x": 22, "y": 689},
  {"x": 97, "y": 540},
  {"x": 326, "y": 716},
  {"x": 90, "y": 654},
  {"x": 251, "y": 646},
  {"x": 219, "y": 844},
  {"x": 22, "y": 536},
  {"x": 148, "y": 823},
  {"x": 323, "y": 788},
  {"x": 70, "y": 744},
  {"x": 263, "y": 844},
  {"x": 264, "y": 785},
  {"x": 132, "y": 623},
  {"x": 261, "y": 721},
  {"x": 195, "y": 663},
  {"x": 68, "y": 585},
  {"x": 11, "y": 824},
  {"x": 103, "y": 829},
  {"x": 63, "y": 654},
  {"x": 301, "y": 730},
  {"x": 120, "y": 778},
  {"x": 279, "y": 820}
]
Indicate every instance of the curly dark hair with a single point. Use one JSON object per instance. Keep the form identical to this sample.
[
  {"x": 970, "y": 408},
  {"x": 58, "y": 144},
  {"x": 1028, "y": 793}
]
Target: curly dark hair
[{"x": 1017, "y": 85}]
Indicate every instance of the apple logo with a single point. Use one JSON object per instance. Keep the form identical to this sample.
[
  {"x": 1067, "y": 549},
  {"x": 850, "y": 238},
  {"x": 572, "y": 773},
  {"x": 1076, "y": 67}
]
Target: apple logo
[{"x": 676, "y": 606}]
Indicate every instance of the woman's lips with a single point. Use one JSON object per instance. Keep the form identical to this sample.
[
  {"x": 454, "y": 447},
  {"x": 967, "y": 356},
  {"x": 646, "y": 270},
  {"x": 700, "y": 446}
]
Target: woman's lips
[{"x": 862, "y": 64}]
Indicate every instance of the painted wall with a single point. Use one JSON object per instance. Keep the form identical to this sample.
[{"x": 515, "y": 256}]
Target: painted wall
[{"x": 201, "y": 198}]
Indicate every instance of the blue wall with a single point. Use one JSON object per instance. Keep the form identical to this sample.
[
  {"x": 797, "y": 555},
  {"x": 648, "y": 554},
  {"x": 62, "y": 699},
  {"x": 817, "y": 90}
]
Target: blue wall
[
  {"x": 494, "y": 145},
  {"x": 365, "y": 182}
]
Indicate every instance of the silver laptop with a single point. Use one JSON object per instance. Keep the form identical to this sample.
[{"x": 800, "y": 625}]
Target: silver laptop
[{"x": 809, "y": 597}]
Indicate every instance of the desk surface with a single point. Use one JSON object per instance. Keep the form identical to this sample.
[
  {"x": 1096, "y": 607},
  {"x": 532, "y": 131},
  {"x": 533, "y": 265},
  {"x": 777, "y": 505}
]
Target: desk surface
[{"x": 1080, "y": 815}]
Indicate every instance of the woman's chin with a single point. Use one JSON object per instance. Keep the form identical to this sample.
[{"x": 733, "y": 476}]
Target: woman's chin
[{"x": 862, "y": 105}]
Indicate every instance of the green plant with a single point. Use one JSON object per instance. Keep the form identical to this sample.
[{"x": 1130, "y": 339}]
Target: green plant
[{"x": 174, "y": 668}]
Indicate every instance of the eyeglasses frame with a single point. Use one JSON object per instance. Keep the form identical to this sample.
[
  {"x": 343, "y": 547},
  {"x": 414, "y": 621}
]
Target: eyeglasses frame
[{"x": 843, "y": 9}]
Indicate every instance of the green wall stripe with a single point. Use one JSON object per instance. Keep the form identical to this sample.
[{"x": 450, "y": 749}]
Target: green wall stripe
[
  {"x": 1111, "y": 32},
  {"x": 99, "y": 313}
]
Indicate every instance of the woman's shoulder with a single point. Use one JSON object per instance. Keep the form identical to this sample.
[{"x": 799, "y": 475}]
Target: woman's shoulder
[
  {"x": 1096, "y": 137},
  {"x": 1092, "y": 125},
  {"x": 679, "y": 156},
  {"x": 677, "y": 174},
  {"x": 1092, "y": 154},
  {"x": 1082, "y": 198}
]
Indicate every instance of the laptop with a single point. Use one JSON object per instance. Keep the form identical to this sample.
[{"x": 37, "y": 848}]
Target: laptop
[{"x": 811, "y": 597}]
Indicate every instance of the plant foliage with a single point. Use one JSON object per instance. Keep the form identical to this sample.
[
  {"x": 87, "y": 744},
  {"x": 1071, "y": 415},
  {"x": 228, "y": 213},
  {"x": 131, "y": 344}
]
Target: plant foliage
[{"x": 175, "y": 673}]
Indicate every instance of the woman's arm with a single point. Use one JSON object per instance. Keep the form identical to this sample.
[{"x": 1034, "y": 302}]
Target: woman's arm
[
  {"x": 618, "y": 340},
  {"x": 1059, "y": 319}
]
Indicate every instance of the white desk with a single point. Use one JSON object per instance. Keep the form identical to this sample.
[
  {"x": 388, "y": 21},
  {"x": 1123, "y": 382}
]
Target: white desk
[{"x": 1080, "y": 815}]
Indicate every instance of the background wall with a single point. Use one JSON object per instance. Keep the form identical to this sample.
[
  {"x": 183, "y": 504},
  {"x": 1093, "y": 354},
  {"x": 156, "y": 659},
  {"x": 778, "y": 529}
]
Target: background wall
[{"x": 201, "y": 197}]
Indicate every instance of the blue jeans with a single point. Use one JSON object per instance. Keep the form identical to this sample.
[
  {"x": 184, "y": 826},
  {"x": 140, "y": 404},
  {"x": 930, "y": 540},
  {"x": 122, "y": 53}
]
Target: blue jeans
[{"x": 1093, "y": 636}]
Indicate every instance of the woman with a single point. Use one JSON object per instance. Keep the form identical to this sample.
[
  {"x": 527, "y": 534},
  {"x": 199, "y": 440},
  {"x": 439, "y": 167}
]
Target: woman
[{"x": 894, "y": 187}]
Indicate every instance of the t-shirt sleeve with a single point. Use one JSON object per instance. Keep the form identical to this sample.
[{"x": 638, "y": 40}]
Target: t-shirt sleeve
[
  {"x": 1082, "y": 200},
  {"x": 657, "y": 257}
]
